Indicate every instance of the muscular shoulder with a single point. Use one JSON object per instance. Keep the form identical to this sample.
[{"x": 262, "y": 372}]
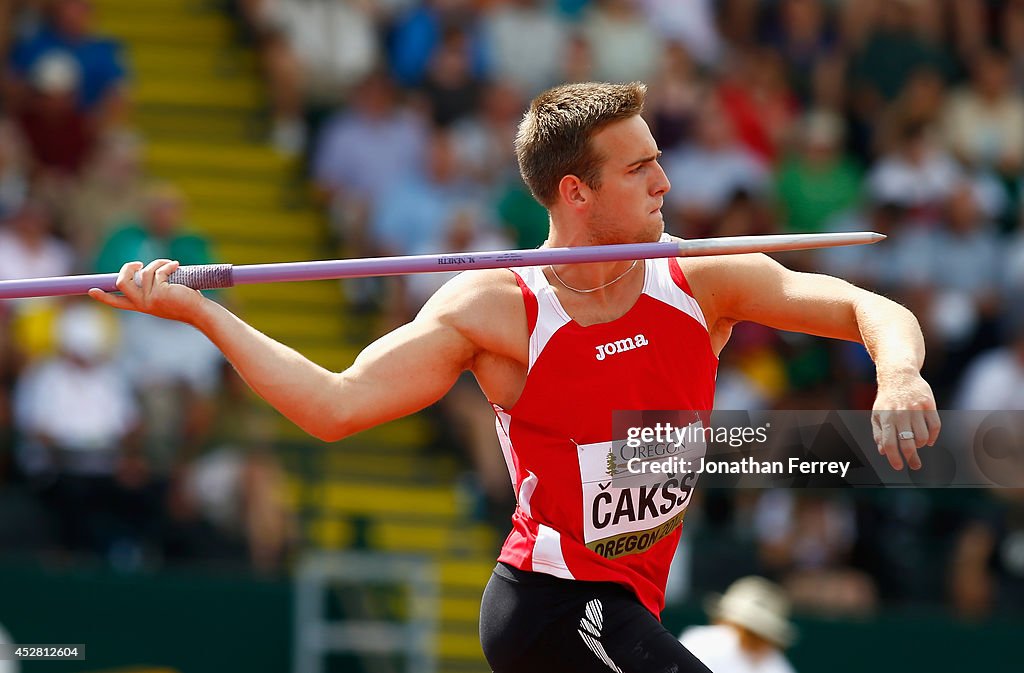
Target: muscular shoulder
[
  {"x": 484, "y": 306},
  {"x": 718, "y": 283},
  {"x": 712, "y": 280}
]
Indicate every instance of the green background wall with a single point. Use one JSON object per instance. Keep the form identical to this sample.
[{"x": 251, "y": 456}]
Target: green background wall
[{"x": 203, "y": 623}]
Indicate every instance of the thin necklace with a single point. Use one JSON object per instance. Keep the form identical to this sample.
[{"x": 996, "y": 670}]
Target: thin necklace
[{"x": 599, "y": 287}]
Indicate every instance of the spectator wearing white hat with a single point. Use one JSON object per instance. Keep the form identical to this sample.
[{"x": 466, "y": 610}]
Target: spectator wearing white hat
[
  {"x": 74, "y": 410},
  {"x": 78, "y": 420},
  {"x": 60, "y": 135},
  {"x": 100, "y": 68},
  {"x": 751, "y": 629}
]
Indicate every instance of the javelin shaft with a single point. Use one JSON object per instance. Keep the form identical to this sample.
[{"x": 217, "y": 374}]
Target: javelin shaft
[{"x": 212, "y": 276}]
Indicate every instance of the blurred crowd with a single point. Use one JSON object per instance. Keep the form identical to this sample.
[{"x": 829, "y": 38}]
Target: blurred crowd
[
  {"x": 899, "y": 116},
  {"x": 114, "y": 433}
]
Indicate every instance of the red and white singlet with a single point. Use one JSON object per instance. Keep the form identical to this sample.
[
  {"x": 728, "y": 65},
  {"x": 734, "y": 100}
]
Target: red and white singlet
[{"x": 572, "y": 519}]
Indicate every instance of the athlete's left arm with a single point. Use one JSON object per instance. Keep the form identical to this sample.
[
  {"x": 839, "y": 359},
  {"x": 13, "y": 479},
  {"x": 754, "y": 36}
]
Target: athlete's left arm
[{"x": 758, "y": 289}]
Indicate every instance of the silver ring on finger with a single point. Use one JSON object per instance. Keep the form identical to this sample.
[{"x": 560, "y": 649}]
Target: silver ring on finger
[{"x": 906, "y": 434}]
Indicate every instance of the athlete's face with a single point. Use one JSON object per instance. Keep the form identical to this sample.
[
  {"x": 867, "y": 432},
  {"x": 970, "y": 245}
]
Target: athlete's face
[{"x": 627, "y": 204}]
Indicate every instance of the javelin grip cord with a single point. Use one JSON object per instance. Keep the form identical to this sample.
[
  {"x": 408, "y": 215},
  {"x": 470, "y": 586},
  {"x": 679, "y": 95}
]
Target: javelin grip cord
[{"x": 204, "y": 276}]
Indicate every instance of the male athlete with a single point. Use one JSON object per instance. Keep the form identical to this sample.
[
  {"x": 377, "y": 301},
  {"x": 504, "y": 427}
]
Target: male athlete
[{"x": 535, "y": 340}]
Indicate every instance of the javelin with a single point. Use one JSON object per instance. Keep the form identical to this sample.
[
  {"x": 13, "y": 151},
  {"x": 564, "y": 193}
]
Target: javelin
[{"x": 212, "y": 276}]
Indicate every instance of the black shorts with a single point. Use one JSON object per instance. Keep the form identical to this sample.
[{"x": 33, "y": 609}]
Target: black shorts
[{"x": 537, "y": 623}]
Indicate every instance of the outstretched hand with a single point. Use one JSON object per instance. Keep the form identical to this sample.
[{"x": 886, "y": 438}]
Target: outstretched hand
[
  {"x": 154, "y": 295},
  {"x": 904, "y": 419}
]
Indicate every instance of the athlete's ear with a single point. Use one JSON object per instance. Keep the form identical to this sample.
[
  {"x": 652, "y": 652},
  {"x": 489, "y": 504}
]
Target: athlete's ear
[{"x": 572, "y": 191}]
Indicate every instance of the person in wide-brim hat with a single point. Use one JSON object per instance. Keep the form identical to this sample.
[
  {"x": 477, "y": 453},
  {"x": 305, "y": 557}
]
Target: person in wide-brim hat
[
  {"x": 750, "y": 629},
  {"x": 756, "y": 605}
]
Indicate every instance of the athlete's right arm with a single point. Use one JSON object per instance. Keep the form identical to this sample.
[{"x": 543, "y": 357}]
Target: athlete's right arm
[{"x": 402, "y": 372}]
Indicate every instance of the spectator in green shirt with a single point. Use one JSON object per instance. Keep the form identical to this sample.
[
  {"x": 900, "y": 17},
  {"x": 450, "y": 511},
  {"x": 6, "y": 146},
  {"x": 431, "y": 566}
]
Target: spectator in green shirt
[
  {"x": 819, "y": 181},
  {"x": 159, "y": 234},
  {"x": 175, "y": 369}
]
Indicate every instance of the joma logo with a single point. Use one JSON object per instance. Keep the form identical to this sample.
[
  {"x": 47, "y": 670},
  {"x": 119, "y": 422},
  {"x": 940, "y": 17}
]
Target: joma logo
[{"x": 620, "y": 346}]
